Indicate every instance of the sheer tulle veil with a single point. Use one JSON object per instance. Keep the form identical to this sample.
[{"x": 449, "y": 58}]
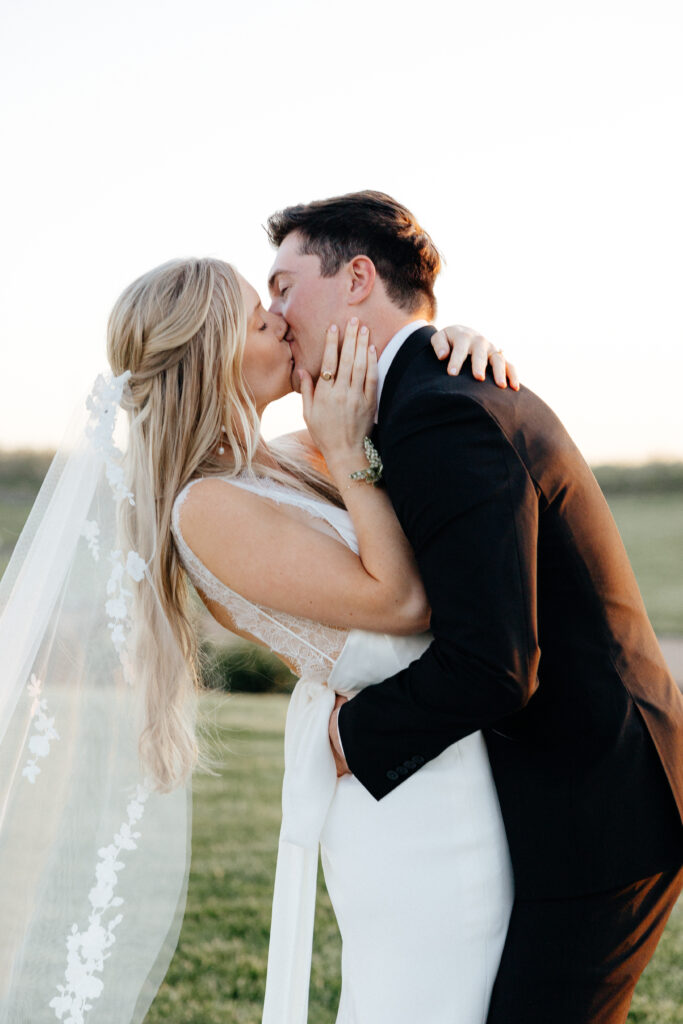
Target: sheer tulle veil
[{"x": 94, "y": 857}]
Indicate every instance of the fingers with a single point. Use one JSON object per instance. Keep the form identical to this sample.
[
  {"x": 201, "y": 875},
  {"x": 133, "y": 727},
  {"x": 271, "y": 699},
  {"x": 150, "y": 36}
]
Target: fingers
[
  {"x": 348, "y": 352},
  {"x": 461, "y": 349},
  {"x": 440, "y": 343},
  {"x": 513, "y": 376},
  {"x": 330, "y": 352},
  {"x": 458, "y": 341},
  {"x": 503, "y": 372},
  {"x": 364, "y": 373},
  {"x": 480, "y": 356},
  {"x": 454, "y": 341},
  {"x": 306, "y": 388},
  {"x": 371, "y": 377},
  {"x": 498, "y": 365},
  {"x": 333, "y": 732},
  {"x": 360, "y": 359}
]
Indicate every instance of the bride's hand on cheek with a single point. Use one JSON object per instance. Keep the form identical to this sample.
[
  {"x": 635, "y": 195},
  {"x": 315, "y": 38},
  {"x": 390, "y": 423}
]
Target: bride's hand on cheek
[
  {"x": 339, "y": 409},
  {"x": 460, "y": 342}
]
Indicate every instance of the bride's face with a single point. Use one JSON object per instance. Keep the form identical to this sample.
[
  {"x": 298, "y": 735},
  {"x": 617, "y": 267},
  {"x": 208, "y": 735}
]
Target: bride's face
[{"x": 268, "y": 364}]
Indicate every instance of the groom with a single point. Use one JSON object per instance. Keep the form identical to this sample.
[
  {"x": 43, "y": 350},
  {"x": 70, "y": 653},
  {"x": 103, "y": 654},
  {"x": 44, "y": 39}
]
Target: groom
[{"x": 541, "y": 638}]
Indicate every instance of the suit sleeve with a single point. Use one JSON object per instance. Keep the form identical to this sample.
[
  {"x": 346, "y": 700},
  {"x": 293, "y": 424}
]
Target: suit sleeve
[{"x": 470, "y": 511}]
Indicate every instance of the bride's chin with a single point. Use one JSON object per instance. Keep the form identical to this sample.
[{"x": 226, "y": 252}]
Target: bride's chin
[{"x": 288, "y": 387}]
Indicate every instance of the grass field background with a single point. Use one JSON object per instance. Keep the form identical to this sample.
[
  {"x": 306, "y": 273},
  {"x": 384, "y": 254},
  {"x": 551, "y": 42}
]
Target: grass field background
[{"x": 217, "y": 975}]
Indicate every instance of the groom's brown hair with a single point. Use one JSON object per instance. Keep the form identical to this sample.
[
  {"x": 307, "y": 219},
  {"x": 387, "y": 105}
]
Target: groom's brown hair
[{"x": 369, "y": 224}]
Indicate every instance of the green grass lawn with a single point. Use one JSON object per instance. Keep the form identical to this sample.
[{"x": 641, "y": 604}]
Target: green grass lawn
[
  {"x": 218, "y": 973},
  {"x": 651, "y": 527}
]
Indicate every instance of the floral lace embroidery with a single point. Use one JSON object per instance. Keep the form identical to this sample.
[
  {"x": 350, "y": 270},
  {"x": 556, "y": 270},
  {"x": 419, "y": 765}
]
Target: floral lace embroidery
[
  {"x": 91, "y": 532},
  {"x": 117, "y": 606},
  {"x": 39, "y": 744},
  {"x": 87, "y": 950},
  {"x": 103, "y": 403}
]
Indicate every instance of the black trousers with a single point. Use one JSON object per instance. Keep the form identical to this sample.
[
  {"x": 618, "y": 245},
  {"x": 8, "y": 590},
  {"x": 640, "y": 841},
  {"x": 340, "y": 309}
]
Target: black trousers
[{"x": 577, "y": 960}]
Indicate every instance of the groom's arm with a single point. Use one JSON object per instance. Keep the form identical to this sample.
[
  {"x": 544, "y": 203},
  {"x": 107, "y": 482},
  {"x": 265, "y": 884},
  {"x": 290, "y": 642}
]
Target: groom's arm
[{"x": 470, "y": 511}]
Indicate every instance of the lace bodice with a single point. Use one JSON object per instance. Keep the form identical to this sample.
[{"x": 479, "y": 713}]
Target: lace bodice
[{"x": 310, "y": 647}]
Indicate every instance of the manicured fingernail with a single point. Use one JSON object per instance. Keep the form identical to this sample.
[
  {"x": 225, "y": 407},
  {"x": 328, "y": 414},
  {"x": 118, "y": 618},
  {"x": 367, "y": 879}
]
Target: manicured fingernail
[
  {"x": 363, "y": 329},
  {"x": 333, "y": 329},
  {"x": 453, "y": 372},
  {"x": 354, "y": 320},
  {"x": 373, "y": 349},
  {"x": 442, "y": 352}
]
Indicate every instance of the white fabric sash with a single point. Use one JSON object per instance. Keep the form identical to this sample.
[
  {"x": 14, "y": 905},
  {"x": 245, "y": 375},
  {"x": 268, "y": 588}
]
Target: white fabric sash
[{"x": 308, "y": 787}]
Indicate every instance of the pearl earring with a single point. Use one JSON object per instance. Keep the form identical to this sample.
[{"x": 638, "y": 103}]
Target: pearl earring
[{"x": 221, "y": 449}]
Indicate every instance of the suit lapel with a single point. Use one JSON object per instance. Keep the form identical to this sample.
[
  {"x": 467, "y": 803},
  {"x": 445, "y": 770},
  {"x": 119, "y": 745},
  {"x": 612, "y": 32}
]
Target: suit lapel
[{"x": 411, "y": 347}]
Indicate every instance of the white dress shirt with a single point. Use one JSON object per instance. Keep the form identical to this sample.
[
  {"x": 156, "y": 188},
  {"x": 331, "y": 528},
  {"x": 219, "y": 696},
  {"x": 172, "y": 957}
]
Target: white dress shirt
[{"x": 388, "y": 355}]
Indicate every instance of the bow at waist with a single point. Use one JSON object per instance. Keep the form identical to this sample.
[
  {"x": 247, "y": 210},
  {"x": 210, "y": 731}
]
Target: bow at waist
[{"x": 310, "y": 775}]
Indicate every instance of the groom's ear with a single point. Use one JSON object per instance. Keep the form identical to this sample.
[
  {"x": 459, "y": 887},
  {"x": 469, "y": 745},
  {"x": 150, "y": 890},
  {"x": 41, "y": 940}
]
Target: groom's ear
[{"x": 361, "y": 279}]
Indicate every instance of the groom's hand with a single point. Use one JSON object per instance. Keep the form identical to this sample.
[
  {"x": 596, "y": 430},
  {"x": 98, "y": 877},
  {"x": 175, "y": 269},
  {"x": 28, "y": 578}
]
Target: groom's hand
[{"x": 335, "y": 743}]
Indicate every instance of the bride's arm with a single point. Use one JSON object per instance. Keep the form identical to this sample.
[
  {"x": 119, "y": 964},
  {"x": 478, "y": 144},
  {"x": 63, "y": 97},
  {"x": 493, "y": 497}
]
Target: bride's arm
[{"x": 260, "y": 551}]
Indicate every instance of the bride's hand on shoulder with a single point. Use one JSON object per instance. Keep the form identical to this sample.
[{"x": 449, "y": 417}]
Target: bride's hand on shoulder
[
  {"x": 459, "y": 342},
  {"x": 339, "y": 409}
]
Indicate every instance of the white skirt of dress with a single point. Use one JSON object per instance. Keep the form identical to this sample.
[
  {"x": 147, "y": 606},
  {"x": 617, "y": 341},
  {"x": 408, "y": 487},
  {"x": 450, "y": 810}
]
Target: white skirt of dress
[{"x": 421, "y": 885}]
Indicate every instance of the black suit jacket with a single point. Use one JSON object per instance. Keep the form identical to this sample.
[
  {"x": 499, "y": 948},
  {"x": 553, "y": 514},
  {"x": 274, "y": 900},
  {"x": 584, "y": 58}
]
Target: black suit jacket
[{"x": 541, "y": 638}]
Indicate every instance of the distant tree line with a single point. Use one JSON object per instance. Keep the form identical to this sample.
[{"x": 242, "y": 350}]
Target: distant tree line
[{"x": 23, "y": 472}]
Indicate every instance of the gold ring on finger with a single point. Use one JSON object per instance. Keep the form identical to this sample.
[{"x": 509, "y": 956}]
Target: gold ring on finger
[{"x": 326, "y": 375}]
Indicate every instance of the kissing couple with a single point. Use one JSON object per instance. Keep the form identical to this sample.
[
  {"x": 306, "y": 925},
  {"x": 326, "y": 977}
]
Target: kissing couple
[{"x": 484, "y": 743}]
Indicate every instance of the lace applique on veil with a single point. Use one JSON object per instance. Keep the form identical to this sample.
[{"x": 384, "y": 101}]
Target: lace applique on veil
[{"x": 309, "y": 646}]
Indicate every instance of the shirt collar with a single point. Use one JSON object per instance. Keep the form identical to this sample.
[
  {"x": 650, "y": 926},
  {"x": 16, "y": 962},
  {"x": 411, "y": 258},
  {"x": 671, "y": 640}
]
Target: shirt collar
[{"x": 388, "y": 355}]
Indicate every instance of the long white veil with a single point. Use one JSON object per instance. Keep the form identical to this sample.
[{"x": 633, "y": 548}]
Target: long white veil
[{"x": 94, "y": 860}]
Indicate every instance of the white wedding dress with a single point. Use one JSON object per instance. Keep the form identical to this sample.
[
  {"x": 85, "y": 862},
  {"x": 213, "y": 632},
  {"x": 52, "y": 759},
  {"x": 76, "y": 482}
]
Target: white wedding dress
[{"x": 420, "y": 881}]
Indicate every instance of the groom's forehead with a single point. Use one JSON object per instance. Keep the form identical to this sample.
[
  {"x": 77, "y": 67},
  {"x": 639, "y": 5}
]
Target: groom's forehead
[{"x": 290, "y": 262}]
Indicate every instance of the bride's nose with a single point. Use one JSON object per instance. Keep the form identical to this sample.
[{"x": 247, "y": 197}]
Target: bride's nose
[{"x": 281, "y": 327}]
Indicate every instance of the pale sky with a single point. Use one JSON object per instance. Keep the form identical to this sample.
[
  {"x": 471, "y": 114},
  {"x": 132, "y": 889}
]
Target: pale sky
[{"x": 538, "y": 142}]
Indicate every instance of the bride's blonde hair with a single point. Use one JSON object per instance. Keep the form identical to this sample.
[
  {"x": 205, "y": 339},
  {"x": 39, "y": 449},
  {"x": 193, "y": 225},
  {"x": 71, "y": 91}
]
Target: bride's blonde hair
[{"x": 181, "y": 331}]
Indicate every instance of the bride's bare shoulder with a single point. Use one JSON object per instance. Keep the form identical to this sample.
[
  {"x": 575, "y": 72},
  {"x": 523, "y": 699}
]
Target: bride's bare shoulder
[{"x": 213, "y": 497}]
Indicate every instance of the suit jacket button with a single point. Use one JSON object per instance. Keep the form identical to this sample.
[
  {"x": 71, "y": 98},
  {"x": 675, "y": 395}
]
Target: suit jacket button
[
  {"x": 418, "y": 759},
  {"x": 401, "y": 769},
  {"x": 410, "y": 765},
  {"x": 392, "y": 775}
]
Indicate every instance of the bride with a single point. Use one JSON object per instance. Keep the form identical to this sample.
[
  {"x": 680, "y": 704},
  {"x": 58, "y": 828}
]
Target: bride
[
  {"x": 98, "y": 711},
  {"x": 421, "y": 884}
]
